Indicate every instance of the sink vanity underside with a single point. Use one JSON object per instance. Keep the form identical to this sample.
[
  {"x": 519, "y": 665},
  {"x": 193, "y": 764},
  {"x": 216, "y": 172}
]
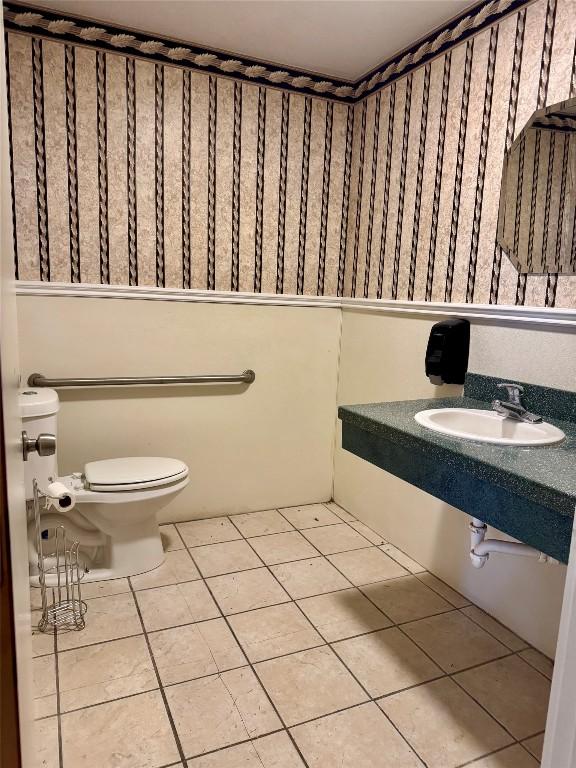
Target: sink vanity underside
[{"x": 528, "y": 493}]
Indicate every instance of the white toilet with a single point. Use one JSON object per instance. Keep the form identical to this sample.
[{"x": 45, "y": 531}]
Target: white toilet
[{"x": 117, "y": 500}]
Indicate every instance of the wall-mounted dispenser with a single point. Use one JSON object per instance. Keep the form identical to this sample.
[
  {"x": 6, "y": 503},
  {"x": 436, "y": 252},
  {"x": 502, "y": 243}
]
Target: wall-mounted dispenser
[{"x": 447, "y": 352}]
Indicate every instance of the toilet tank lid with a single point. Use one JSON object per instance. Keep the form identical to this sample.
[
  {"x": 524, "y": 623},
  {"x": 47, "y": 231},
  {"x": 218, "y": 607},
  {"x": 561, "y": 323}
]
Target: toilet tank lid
[
  {"x": 133, "y": 470},
  {"x": 38, "y": 402}
]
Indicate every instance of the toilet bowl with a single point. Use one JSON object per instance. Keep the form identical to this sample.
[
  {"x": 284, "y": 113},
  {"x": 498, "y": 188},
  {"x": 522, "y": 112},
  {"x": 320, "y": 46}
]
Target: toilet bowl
[{"x": 117, "y": 501}]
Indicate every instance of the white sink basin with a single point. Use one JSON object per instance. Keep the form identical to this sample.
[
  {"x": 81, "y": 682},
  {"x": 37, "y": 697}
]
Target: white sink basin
[{"x": 488, "y": 427}]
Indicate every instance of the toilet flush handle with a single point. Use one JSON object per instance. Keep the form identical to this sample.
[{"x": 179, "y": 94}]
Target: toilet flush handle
[{"x": 44, "y": 445}]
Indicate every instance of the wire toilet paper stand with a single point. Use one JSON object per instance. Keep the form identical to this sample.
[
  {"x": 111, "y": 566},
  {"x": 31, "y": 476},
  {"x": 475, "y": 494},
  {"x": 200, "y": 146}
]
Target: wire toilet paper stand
[{"x": 59, "y": 575}]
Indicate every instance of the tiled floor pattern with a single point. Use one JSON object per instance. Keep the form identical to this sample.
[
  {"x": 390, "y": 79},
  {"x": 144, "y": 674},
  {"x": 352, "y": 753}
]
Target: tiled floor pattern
[{"x": 282, "y": 639}]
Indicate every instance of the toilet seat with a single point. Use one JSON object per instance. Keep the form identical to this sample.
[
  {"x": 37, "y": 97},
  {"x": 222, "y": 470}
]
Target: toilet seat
[{"x": 133, "y": 473}]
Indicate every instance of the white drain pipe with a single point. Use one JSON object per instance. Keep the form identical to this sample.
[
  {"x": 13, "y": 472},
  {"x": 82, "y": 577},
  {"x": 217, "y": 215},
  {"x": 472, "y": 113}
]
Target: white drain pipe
[{"x": 481, "y": 547}]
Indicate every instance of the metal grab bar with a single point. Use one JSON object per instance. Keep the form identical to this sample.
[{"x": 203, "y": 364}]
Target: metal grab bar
[{"x": 38, "y": 380}]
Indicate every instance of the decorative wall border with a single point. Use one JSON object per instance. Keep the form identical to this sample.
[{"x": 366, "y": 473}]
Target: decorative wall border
[
  {"x": 544, "y": 316},
  {"x": 29, "y": 19}
]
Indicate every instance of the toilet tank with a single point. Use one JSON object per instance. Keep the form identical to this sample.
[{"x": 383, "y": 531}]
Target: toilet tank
[{"x": 39, "y": 409}]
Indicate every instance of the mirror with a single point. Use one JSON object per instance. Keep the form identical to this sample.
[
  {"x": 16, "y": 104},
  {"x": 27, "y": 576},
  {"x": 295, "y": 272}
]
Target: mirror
[{"x": 537, "y": 215}]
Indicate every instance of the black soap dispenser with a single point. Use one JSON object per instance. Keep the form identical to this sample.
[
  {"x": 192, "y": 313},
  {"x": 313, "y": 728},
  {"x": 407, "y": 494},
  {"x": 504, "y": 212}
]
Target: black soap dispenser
[{"x": 447, "y": 352}]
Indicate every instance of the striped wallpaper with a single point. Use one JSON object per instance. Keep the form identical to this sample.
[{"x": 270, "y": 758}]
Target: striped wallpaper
[
  {"x": 428, "y": 153},
  {"x": 138, "y": 172},
  {"x": 135, "y": 173}
]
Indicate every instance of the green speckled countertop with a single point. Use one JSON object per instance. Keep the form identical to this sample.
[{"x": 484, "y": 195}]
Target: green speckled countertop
[{"x": 545, "y": 473}]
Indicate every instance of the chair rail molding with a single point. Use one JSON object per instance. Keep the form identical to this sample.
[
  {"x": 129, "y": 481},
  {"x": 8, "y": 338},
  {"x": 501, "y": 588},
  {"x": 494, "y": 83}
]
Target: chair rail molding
[{"x": 495, "y": 313}]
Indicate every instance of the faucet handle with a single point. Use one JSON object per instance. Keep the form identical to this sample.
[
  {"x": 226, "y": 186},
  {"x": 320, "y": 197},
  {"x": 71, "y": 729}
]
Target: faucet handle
[{"x": 514, "y": 391}]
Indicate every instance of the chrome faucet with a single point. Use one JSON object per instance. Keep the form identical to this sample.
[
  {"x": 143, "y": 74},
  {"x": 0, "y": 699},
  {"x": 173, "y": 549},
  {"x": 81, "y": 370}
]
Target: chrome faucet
[{"x": 513, "y": 407}]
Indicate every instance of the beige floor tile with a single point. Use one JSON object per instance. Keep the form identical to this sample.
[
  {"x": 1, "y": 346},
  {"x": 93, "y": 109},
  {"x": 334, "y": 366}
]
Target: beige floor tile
[
  {"x": 340, "y": 511},
  {"x": 406, "y": 599},
  {"x": 277, "y": 751},
  {"x": 243, "y": 591},
  {"x": 177, "y": 604},
  {"x": 372, "y": 536},
  {"x": 261, "y": 523},
  {"x": 360, "y": 737},
  {"x": 35, "y": 598},
  {"x": 186, "y": 653},
  {"x": 132, "y": 733},
  {"x": 514, "y": 693},
  {"x": 499, "y": 631},
  {"x": 511, "y": 757},
  {"x": 310, "y": 516},
  {"x": 106, "y": 588},
  {"x": 89, "y": 590},
  {"x": 44, "y": 676},
  {"x": 170, "y": 538},
  {"x": 273, "y": 751},
  {"x": 283, "y": 547},
  {"x": 177, "y": 567},
  {"x": 338, "y": 615},
  {"x": 330, "y": 539},
  {"x": 535, "y": 745},
  {"x": 99, "y": 673},
  {"x": 228, "y": 557},
  {"x": 402, "y": 558},
  {"x": 309, "y": 577},
  {"x": 107, "y": 618},
  {"x": 386, "y": 661},
  {"x": 274, "y": 631},
  {"x": 538, "y": 661},
  {"x": 197, "y": 533},
  {"x": 46, "y": 747},
  {"x": 443, "y": 724},
  {"x": 454, "y": 642},
  {"x": 309, "y": 684},
  {"x": 42, "y": 642},
  {"x": 218, "y": 711},
  {"x": 457, "y": 600},
  {"x": 367, "y": 566}
]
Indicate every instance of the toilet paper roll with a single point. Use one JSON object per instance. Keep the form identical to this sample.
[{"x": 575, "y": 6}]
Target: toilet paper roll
[{"x": 60, "y": 497}]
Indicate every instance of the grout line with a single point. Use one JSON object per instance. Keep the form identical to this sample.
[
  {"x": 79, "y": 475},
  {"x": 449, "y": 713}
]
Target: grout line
[
  {"x": 548, "y": 679},
  {"x": 355, "y": 519},
  {"x": 161, "y": 586},
  {"x": 422, "y": 573},
  {"x": 359, "y": 587},
  {"x": 483, "y": 757},
  {"x": 370, "y": 698},
  {"x": 160, "y": 686},
  {"x": 497, "y": 752},
  {"x": 281, "y": 719},
  {"x": 366, "y": 691},
  {"x": 247, "y": 540},
  {"x": 399, "y": 626},
  {"x": 444, "y": 675},
  {"x": 392, "y": 625},
  {"x": 109, "y": 701},
  {"x": 453, "y": 678},
  {"x": 100, "y": 642},
  {"x": 249, "y": 740},
  {"x": 58, "y": 709}
]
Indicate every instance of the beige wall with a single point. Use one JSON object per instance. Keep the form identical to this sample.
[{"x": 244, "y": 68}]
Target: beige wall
[
  {"x": 248, "y": 448},
  {"x": 272, "y": 444},
  {"x": 382, "y": 358}
]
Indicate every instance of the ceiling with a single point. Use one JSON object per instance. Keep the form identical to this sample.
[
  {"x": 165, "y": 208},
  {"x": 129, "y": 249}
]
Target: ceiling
[{"x": 336, "y": 38}]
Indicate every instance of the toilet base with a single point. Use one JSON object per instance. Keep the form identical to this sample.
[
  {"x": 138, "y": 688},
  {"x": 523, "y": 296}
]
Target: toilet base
[
  {"x": 131, "y": 550},
  {"x": 117, "y": 533}
]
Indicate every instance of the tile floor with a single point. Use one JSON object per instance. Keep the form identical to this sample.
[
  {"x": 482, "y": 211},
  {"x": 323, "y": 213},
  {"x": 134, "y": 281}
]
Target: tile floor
[{"x": 283, "y": 639}]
